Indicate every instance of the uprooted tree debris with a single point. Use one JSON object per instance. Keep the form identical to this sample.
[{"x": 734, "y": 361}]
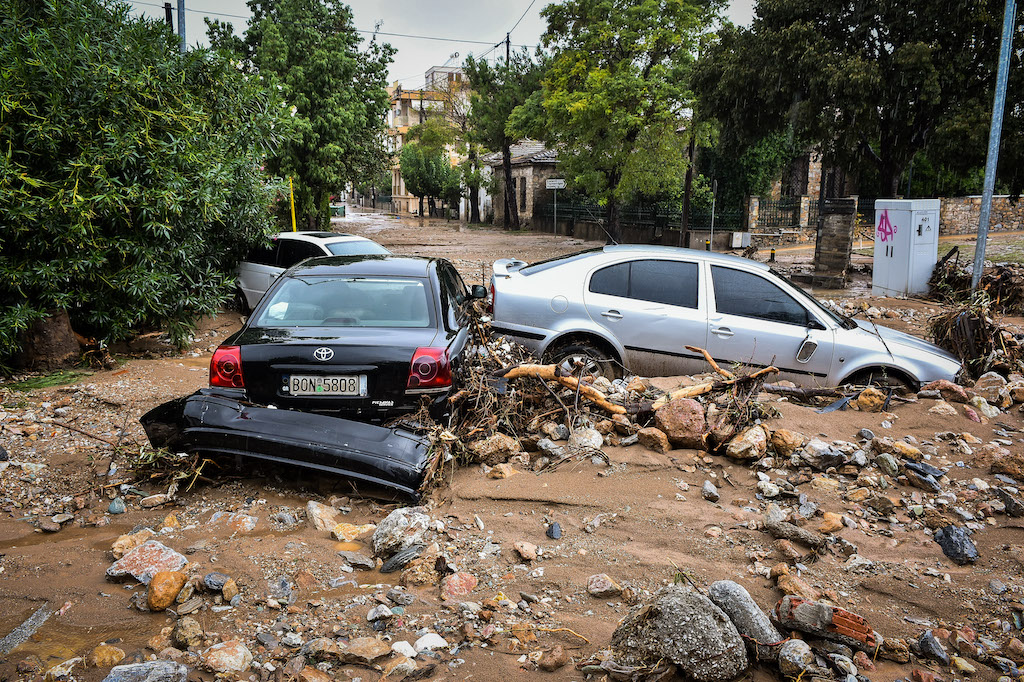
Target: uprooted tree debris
[
  {"x": 1003, "y": 284},
  {"x": 969, "y": 332}
]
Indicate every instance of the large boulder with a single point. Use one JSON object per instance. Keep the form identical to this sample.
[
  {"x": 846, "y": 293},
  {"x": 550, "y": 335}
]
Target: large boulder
[
  {"x": 150, "y": 671},
  {"x": 747, "y": 616},
  {"x": 494, "y": 449},
  {"x": 683, "y": 422},
  {"x": 785, "y": 442},
  {"x": 401, "y": 529},
  {"x": 751, "y": 444},
  {"x": 145, "y": 561},
  {"x": 685, "y": 627}
]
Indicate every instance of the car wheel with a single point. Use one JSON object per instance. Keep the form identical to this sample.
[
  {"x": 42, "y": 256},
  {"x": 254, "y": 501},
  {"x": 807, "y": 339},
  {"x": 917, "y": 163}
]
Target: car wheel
[
  {"x": 593, "y": 360},
  {"x": 240, "y": 303},
  {"x": 881, "y": 378}
]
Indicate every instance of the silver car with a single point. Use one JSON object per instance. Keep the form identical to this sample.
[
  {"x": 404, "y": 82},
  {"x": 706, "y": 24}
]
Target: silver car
[{"x": 638, "y": 307}]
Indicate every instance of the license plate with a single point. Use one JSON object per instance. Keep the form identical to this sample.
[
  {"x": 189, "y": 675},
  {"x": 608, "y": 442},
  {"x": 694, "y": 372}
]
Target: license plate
[{"x": 302, "y": 384}]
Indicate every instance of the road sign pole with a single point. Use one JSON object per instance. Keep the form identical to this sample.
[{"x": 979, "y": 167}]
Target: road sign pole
[{"x": 555, "y": 229}]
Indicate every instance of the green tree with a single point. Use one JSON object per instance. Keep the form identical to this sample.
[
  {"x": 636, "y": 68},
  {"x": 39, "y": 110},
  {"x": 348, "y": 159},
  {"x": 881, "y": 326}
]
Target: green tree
[
  {"x": 616, "y": 91},
  {"x": 868, "y": 83},
  {"x": 131, "y": 176},
  {"x": 338, "y": 91},
  {"x": 497, "y": 91},
  {"x": 426, "y": 166}
]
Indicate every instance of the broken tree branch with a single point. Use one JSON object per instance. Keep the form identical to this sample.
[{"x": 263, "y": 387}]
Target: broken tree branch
[{"x": 714, "y": 365}]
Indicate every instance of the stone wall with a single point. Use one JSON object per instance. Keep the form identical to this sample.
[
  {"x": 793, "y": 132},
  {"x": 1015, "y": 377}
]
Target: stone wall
[
  {"x": 835, "y": 243},
  {"x": 535, "y": 176},
  {"x": 960, "y": 215}
]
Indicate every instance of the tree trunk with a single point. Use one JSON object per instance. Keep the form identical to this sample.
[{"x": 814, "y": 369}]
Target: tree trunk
[
  {"x": 511, "y": 208},
  {"x": 48, "y": 344},
  {"x": 474, "y": 192},
  {"x": 614, "y": 228},
  {"x": 421, "y": 207}
]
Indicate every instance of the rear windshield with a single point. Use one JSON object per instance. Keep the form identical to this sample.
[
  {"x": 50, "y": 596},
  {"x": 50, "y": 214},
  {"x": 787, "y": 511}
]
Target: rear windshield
[
  {"x": 356, "y": 247},
  {"x": 347, "y": 302},
  {"x": 542, "y": 265}
]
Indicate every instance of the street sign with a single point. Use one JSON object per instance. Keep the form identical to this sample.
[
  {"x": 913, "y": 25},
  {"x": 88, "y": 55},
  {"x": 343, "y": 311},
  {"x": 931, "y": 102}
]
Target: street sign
[{"x": 556, "y": 183}]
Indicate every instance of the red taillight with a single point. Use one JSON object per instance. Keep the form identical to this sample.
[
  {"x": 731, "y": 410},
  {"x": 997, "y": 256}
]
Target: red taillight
[
  {"x": 226, "y": 367},
  {"x": 430, "y": 369},
  {"x": 490, "y": 305}
]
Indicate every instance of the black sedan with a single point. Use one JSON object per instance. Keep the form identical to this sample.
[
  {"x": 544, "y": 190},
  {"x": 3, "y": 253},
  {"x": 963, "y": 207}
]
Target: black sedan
[{"x": 338, "y": 345}]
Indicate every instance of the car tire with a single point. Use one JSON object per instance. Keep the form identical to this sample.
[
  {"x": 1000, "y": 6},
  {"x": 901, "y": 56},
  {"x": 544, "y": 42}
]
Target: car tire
[
  {"x": 595, "y": 361},
  {"x": 240, "y": 303},
  {"x": 880, "y": 378}
]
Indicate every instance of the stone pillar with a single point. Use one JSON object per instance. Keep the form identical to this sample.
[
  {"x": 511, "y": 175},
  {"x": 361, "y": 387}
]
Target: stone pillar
[
  {"x": 805, "y": 211},
  {"x": 753, "y": 209},
  {"x": 835, "y": 243}
]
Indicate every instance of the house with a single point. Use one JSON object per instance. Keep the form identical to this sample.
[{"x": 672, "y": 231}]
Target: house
[{"x": 532, "y": 165}]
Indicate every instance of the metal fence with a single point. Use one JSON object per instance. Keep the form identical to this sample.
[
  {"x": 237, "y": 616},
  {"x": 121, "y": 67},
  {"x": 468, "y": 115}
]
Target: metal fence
[
  {"x": 783, "y": 212},
  {"x": 654, "y": 216}
]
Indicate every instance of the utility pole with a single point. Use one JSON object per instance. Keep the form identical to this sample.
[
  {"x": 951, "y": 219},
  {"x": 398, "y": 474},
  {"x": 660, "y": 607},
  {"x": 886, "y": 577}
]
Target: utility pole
[
  {"x": 168, "y": 16},
  {"x": 181, "y": 24},
  {"x": 508, "y": 49},
  {"x": 995, "y": 132}
]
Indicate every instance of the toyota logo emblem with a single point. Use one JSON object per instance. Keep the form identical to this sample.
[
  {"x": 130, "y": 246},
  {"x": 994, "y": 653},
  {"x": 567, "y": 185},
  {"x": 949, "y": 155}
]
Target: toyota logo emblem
[{"x": 323, "y": 354}]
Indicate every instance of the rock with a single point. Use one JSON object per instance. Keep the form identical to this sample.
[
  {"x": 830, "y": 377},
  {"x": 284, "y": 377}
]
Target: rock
[
  {"x": 311, "y": 674},
  {"x": 956, "y": 544},
  {"x": 230, "y": 590},
  {"x": 918, "y": 675},
  {"x": 895, "y": 649},
  {"x": 401, "y": 529},
  {"x": 155, "y": 500},
  {"x": 866, "y": 434},
  {"x": 785, "y": 442},
  {"x": 104, "y": 656},
  {"x": 457, "y": 585},
  {"x": 397, "y": 668},
  {"x": 602, "y": 586},
  {"x": 825, "y": 621},
  {"x": 820, "y": 455},
  {"x": 526, "y": 550},
  {"x": 130, "y": 541},
  {"x": 236, "y": 522},
  {"x": 709, "y": 492},
  {"x": 751, "y": 443},
  {"x": 950, "y": 391},
  {"x": 831, "y": 523},
  {"x": 1006, "y": 462},
  {"x": 554, "y": 531},
  {"x": 555, "y": 431},
  {"x": 586, "y": 438},
  {"x": 400, "y": 596},
  {"x": 227, "y": 657},
  {"x": 963, "y": 666},
  {"x": 888, "y": 464},
  {"x": 320, "y": 516},
  {"x": 861, "y": 660},
  {"x": 347, "y": 532},
  {"x": 494, "y": 449},
  {"x": 554, "y": 659},
  {"x": 146, "y": 560},
  {"x": 870, "y": 400},
  {"x": 932, "y": 647},
  {"x": 989, "y": 385},
  {"x": 150, "y": 671},
  {"x": 363, "y": 650},
  {"x": 682, "y": 420},
  {"x": 984, "y": 409},
  {"x": 429, "y": 642},
  {"x": 943, "y": 409},
  {"x": 215, "y": 580},
  {"x": 768, "y": 489},
  {"x": 49, "y": 525},
  {"x": 164, "y": 588},
  {"x": 795, "y": 658},
  {"x": 358, "y": 561},
  {"x": 796, "y": 586},
  {"x": 1014, "y": 650},
  {"x": 503, "y": 470},
  {"x": 685, "y": 627},
  {"x": 379, "y": 612},
  {"x": 1014, "y": 506},
  {"x": 654, "y": 439},
  {"x": 403, "y": 648},
  {"x": 746, "y": 615},
  {"x": 117, "y": 506},
  {"x": 187, "y": 633}
]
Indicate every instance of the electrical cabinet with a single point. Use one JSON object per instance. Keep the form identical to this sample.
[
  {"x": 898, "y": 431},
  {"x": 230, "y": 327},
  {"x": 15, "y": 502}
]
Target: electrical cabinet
[{"x": 906, "y": 246}]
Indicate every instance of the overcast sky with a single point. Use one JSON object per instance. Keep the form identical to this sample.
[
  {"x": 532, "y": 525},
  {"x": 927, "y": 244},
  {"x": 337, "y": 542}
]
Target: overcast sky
[{"x": 449, "y": 29}]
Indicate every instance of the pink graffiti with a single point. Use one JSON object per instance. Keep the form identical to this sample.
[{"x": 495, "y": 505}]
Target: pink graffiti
[{"x": 886, "y": 230}]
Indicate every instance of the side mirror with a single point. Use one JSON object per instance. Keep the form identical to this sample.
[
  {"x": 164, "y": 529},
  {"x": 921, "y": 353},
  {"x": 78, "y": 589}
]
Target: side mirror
[
  {"x": 478, "y": 291},
  {"x": 806, "y": 350}
]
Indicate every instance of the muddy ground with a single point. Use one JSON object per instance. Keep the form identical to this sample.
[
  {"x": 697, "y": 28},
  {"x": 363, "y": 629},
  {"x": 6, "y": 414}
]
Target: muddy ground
[{"x": 640, "y": 518}]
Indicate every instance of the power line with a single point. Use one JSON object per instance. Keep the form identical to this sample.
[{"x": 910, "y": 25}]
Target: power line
[{"x": 524, "y": 15}]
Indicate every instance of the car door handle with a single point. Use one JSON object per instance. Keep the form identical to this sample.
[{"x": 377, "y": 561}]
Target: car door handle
[
  {"x": 612, "y": 314},
  {"x": 723, "y": 332}
]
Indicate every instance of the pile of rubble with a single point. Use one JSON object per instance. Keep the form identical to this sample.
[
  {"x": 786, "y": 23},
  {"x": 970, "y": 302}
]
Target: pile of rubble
[{"x": 1003, "y": 284}]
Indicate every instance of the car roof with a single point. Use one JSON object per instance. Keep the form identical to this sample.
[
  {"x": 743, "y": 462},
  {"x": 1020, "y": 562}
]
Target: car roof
[
  {"x": 321, "y": 237},
  {"x": 641, "y": 249},
  {"x": 403, "y": 266}
]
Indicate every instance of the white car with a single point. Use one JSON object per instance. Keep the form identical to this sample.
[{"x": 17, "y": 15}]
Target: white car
[
  {"x": 638, "y": 307},
  {"x": 263, "y": 265}
]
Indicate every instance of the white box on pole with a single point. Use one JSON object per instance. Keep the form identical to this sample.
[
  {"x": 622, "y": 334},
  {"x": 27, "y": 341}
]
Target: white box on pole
[{"x": 906, "y": 246}]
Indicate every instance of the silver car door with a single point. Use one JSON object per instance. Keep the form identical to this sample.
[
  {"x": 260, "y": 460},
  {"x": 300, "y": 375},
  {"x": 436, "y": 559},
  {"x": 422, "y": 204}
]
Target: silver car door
[
  {"x": 755, "y": 322},
  {"x": 655, "y": 308}
]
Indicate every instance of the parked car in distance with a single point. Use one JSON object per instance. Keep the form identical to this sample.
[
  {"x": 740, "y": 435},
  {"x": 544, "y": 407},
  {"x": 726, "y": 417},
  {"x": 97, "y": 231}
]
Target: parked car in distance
[
  {"x": 263, "y": 265},
  {"x": 360, "y": 337},
  {"x": 638, "y": 307}
]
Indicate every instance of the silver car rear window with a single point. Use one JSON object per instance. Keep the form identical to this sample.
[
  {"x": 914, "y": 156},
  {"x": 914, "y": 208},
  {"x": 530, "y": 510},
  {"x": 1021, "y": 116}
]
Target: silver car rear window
[
  {"x": 347, "y": 302},
  {"x": 542, "y": 265},
  {"x": 356, "y": 247}
]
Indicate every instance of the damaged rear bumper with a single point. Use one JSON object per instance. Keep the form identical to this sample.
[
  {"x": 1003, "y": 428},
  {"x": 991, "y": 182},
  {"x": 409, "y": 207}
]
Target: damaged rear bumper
[{"x": 395, "y": 459}]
